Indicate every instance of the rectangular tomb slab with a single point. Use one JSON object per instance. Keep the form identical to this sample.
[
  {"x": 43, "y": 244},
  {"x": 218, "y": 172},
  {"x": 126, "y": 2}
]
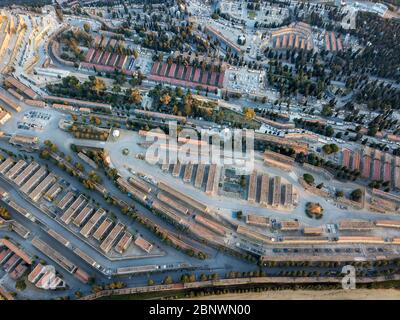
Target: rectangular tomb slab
[
  {"x": 109, "y": 241},
  {"x": 69, "y": 214},
  {"x": 199, "y": 176},
  {"x": 104, "y": 227},
  {"x": 90, "y": 225},
  {"x": 83, "y": 215},
  {"x": 251, "y": 196},
  {"x": 26, "y": 173},
  {"x": 187, "y": 177}
]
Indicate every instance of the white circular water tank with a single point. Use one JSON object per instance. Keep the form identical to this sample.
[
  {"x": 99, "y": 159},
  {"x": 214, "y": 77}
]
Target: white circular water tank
[{"x": 115, "y": 133}]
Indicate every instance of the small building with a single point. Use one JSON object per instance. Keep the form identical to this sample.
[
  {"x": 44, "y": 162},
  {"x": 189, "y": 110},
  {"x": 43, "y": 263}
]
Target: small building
[
  {"x": 24, "y": 140},
  {"x": 313, "y": 231},
  {"x": 257, "y": 220},
  {"x": 290, "y": 225},
  {"x": 143, "y": 244},
  {"x": 4, "y": 116}
]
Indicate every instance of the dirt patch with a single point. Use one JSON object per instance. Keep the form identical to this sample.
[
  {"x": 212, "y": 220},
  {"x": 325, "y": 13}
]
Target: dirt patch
[{"x": 358, "y": 294}]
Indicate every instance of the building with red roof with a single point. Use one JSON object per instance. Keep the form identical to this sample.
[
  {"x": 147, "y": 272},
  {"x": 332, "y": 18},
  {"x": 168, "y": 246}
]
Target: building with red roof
[
  {"x": 366, "y": 166},
  {"x": 346, "y": 158}
]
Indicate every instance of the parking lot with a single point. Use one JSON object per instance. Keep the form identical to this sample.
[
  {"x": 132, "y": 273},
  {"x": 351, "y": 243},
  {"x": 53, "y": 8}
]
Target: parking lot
[
  {"x": 34, "y": 120},
  {"x": 37, "y": 115}
]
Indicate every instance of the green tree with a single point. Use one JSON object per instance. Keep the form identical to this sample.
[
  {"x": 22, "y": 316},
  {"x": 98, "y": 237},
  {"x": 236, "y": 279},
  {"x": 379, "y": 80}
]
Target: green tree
[
  {"x": 150, "y": 282},
  {"x": 372, "y": 130},
  {"x": 168, "y": 280},
  {"x": 327, "y": 111},
  {"x": 86, "y": 27},
  {"x": 339, "y": 194},
  {"x": 329, "y": 132},
  {"x": 20, "y": 285},
  {"x": 308, "y": 178},
  {"x": 330, "y": 148},
  {"x": 356, "y": 195}
]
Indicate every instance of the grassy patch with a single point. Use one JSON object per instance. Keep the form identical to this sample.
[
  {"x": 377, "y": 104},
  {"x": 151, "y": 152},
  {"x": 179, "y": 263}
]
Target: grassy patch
[
  {"x": 238, "y": 120},
  {"x": 251, "y": 14}
]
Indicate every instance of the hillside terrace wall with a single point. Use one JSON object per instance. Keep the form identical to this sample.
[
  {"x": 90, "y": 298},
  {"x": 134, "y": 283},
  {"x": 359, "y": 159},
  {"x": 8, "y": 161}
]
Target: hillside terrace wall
[
  {"x": 297, "y": 146},
  {"x": 232, "y": 282},
  {"x": 278, "y": 164},
  {"x": 318, "y": 170},
  {"x": 278, "y": 157},
  {"x": 386, "y": 195},
  {"x": 348, "y": 202},
  {"x": 55, "y": 48},
  {"x": 313, "y": 189}
]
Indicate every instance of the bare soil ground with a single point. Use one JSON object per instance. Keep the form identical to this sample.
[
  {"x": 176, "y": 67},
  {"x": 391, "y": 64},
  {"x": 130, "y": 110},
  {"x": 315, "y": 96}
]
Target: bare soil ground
[{"x": 357, "y": 294}]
